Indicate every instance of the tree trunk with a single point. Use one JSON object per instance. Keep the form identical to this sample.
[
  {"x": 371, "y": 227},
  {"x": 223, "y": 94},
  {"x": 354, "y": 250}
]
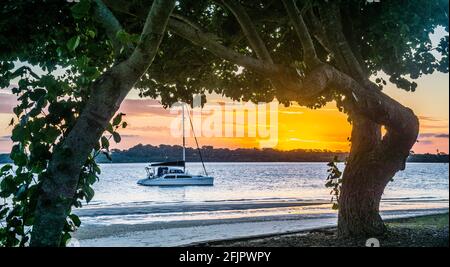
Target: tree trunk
[
  {"x": 60, "y": 184},
  {"x": 107, "y": 93},
  {"x": 371, "y": 165},
  {"x": 362, "y": 185},
  {"x": 374, "y": 159}
]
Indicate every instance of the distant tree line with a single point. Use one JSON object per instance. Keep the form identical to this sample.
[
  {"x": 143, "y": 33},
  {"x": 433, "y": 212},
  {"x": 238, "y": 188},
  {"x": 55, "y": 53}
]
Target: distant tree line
[{"x": 148, "y": 153}]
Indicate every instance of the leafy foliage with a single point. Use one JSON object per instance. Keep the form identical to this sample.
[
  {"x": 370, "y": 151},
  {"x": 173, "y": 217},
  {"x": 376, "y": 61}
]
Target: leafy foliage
[
  {"x": 334, "y": 181},
  {"x": 389, "y": 37},
  {"x": 72, "y": 50},
  {"x": 72, "y": 53}
]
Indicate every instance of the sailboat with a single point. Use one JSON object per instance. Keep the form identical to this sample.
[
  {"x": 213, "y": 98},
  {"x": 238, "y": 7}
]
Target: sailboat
[{"x": 174, "y": 173}]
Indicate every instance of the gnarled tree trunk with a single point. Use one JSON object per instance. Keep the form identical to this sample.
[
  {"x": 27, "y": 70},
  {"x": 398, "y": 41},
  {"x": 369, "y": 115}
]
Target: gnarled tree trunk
[
  {"x": 361, "y": 187},
  {"x": 374, "y": 159}
]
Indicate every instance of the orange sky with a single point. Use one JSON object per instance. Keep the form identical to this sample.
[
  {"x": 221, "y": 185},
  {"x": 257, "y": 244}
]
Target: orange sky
[{"x": 298, "y": 127}]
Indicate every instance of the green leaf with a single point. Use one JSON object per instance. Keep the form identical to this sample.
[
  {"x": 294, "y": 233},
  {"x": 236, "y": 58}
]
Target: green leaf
[
  {"x": 91, "y": 179},
  {"x": 123, "y": 36},
  {"x": 51, "y": 134},
  {"x": 73, "y": 43},
  {"x": 76, "y": 221},
  {"x": 88, "y": 193},
  {"x": 118, "y": 119},
  {"x": 91, "y": 33},
  {"x": 3, "y": 212},
  {"x": 36, "y": 94},
  {"x": 65, "y": 239},
  {"x": 105, "y": 142},
  {"x": 116, "y": 137},
  {"x": 21, "y": 191},
  {"x": 7, "y": 186},
  {"x": 80, "y": 9},
  {"x": 6, "y": 168}
]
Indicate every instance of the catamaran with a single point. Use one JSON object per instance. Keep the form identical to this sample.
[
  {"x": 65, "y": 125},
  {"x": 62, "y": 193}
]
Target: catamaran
[{"x": 174, "y": 173}]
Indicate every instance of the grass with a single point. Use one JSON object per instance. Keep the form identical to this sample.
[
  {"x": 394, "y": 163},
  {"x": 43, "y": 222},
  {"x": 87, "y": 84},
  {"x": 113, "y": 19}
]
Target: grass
[{"x": 435, "y": 221}]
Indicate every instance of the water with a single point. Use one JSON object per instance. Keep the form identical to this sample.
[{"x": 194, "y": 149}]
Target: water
[
  {"x": 251, "y": 192},
  {"x": 420, "y": 182},
  {"x": 247, "y": 199}
]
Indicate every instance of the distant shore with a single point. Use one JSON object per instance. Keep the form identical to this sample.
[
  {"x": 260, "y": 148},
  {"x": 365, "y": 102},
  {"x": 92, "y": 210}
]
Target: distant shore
[
  {"x": 148, "y": 153},
  {"x": 156, "y": 154},
  {"x": 420, "y": 231}
]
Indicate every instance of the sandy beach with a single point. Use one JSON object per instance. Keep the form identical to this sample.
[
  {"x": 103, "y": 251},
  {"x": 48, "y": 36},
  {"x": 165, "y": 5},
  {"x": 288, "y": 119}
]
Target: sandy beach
[
  {"x": 418, "y": 231},
  {"x": 194, "y": 232}
]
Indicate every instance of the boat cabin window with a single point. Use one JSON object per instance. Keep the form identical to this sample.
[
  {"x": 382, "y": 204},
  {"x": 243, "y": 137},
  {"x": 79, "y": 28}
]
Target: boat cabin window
[
  {"x": 162, "y": 171},
  {"x": 183, "y": 176},
  {"x": 169, "y": 177},
  {"x": 175, "y": 171}
]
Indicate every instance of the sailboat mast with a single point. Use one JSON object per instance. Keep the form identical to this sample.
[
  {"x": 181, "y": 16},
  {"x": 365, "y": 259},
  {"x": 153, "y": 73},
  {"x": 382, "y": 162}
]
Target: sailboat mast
[{"x": 184, "y": 141}]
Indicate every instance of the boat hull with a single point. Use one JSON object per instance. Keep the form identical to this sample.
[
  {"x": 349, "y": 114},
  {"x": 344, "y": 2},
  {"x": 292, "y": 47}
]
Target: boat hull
[{"x": 194, "y": 181}]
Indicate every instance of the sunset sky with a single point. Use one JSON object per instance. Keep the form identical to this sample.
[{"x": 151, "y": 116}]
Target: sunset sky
[{"x": 298, "y": 127}]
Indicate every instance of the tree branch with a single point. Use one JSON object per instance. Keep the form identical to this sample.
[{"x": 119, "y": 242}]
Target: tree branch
[
  {"x": 347, "y": 62},
  {"x": 249, "y": 29},
  {"x": 316, "y": 27},
  {"x": 309, "y": 52},
  {"x": 109, "y": 22},
  {"x": 208, "y": 41},
  {"x": 151, "y": 36},
  {"x": 401, "y": 124}
]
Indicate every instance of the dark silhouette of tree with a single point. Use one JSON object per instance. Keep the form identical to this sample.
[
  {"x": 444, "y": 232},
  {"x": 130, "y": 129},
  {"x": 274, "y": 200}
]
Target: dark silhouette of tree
[{"x": 310, "y": 52}]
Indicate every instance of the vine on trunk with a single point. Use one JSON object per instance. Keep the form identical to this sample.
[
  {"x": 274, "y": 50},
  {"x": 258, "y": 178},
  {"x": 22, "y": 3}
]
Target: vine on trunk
[{"x": 334, "y": 181}]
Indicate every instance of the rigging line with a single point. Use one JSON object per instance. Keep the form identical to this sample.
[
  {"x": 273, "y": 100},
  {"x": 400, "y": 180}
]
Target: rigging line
[{"x": 195, "y": 137}]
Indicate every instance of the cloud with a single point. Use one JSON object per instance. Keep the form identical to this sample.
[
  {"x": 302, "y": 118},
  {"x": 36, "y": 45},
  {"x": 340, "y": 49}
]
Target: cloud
[
  {"x": 425, "y": 142},
  {"x": 427, "y": 118},
  {"x": 148, "y": 128},
  {"x": 129, "y": 135},
  {"x": 427, "y": 126},
  {"x": 143, "y": 107},
  {"x": 5, "y": 138},
  {"x": 7, "y": 103},
  {"x": 433, "y": 135}
]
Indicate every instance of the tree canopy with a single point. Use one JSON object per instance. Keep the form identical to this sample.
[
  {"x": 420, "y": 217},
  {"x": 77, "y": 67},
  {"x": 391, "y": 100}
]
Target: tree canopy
[
  {"x": 392, "y": 37},
  {"x": 93, "y": 52}
]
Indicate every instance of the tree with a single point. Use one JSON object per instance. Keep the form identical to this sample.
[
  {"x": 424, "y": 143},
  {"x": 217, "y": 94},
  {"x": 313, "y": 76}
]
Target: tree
[
  {"x": 102, "y": 63},
  {"x": 310, "y": 52}
]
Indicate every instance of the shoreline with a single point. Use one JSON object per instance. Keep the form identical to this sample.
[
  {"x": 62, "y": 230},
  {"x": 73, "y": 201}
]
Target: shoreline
[
  {"x": 416, "y": 231},
  {"x": 201, "y": 232}
]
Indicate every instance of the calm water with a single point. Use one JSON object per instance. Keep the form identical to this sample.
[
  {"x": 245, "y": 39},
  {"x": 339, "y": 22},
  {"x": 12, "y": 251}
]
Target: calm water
[
  {"x": 420, "y": 182},
  {"x": 247, "y": 199}
]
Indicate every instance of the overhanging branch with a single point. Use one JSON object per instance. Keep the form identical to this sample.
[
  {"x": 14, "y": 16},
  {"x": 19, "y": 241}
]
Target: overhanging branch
[
  {"x": 249, "y": 29},
  {"x": 151, "y": 36},
  {"x": 309, "y": 52},
  {"x": 209, "y": 42},
  {"x": 109, "y": 22}
]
